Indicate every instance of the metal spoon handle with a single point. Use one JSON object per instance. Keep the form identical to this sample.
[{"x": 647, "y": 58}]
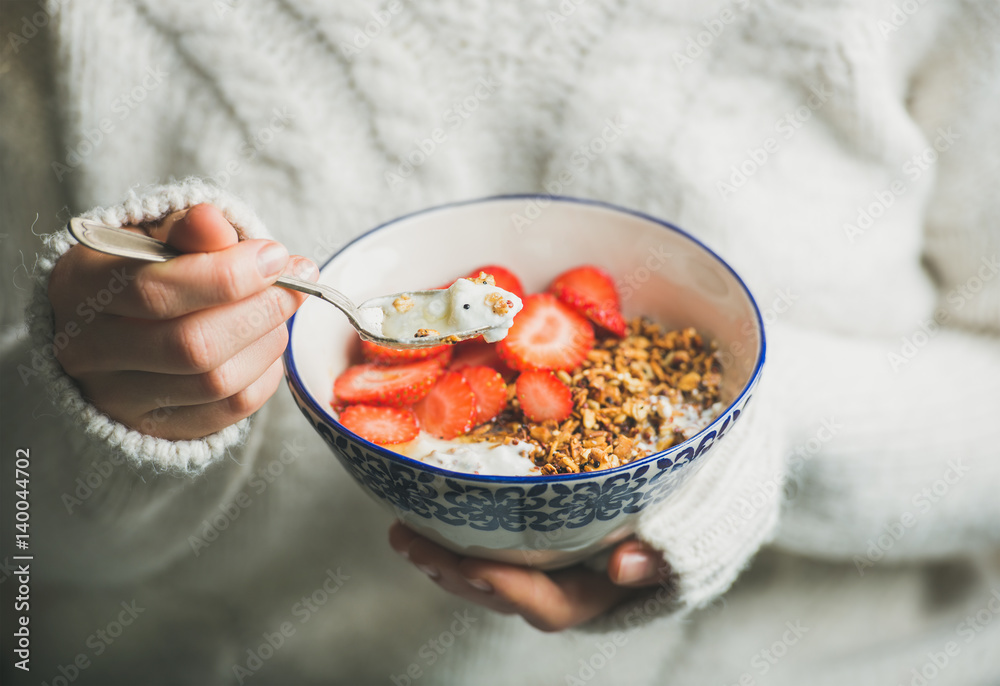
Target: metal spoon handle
[
  {"x": 114, "y": 241},
  {"x": 332, "y": 296}
]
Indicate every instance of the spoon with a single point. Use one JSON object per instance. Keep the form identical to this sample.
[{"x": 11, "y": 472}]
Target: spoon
[{"x": 115, "y": 241}]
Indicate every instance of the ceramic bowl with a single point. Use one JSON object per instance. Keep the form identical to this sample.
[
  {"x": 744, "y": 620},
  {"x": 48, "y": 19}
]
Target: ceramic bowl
[{"x": 545, "y": 522}]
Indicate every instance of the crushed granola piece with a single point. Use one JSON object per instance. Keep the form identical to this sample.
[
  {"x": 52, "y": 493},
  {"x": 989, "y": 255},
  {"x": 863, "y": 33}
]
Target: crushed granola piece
[
  {"x": 483, "y": 278},
  {"x": 623, "y": 447},
  {"x": 500, "y": 304},
  {"x": 424, "y": 333},
  {"x": 403, "y": 303},
  {"x": 689, "y": 381}
]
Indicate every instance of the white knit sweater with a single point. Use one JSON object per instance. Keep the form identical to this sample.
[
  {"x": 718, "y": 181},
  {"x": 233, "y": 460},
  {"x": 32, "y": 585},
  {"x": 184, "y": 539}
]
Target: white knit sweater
[{"x": 843, "y": 156}]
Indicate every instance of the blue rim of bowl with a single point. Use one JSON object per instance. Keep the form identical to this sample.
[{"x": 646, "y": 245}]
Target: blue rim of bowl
[{"x": 294, "y": 377}]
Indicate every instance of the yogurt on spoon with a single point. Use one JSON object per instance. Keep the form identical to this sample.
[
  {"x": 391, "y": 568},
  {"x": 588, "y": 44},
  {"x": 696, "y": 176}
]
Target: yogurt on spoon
[{"x": 469, "y": 303}]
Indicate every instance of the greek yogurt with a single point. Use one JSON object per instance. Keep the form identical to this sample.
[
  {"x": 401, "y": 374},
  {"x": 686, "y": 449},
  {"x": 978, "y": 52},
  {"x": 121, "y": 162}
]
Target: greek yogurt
[
  {"x": 466, "y": 305},
  {"x": 685, "y": 419},
  {"x": 473, "y": 458}
]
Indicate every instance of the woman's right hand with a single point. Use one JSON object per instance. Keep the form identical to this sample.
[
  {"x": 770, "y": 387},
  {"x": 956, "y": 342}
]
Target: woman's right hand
[{"x": 179, "y": 349}]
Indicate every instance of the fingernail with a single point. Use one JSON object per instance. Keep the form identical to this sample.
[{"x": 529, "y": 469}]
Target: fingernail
[
  {"x": 304, "y": 268},
  {"x": 482, "y": 585},
  {"x": 271, "y": 259},
  {"x": 429, "y": 571},
  {"x": 635, "y": 567},
  {"x": 405, "y": 553}
]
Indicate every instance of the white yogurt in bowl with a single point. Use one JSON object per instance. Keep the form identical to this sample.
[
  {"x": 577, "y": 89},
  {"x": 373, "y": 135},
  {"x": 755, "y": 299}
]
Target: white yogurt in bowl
[{"x": 473, "y": 458}]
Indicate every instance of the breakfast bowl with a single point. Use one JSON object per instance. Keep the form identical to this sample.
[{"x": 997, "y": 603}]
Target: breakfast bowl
[{"x": 545, "y": 522}]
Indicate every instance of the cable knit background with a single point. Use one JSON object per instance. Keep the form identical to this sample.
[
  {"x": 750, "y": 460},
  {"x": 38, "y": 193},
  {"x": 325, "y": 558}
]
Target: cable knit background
[
  {"x": 354, "y": 117},
  {"x": 263, "y": 97}
]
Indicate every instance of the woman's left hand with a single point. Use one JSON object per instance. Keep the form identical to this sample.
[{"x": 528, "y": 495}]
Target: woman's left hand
[{"x": 549, "y": 601}]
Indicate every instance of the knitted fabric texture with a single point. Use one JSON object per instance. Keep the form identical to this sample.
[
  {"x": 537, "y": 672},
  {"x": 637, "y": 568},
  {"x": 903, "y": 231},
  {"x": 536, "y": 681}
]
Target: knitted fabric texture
[{"x": 143, "y": 205}]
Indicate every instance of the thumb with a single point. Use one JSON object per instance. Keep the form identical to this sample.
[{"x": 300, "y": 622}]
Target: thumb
[
  {"x": 634, "y": 563},
  {"x": 202, "y": 228}
]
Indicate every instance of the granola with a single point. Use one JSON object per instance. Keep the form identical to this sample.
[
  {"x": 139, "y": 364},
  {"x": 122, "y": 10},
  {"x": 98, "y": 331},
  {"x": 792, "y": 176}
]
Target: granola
[
  {"x": 403, "y": 303},
  {"x": 624, "y": 395}
]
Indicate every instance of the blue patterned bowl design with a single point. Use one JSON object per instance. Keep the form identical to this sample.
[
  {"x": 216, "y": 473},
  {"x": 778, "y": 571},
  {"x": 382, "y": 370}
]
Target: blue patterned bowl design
[{"x": 545, "y": 522}]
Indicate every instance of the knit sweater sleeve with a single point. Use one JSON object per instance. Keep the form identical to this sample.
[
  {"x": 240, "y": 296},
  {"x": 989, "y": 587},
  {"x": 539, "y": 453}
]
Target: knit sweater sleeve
[
  {"x": 148, "y": 205},
  {"x": 890, "y": 463},
  {"x": 910, "y": 470},
  {"x": 108, "y": 504},
  {"x": 98, "y": 486},
  {"x": 710, "y": 529}
]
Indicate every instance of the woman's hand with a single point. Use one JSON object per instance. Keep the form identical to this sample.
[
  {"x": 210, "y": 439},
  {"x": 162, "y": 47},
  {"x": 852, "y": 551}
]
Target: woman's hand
[
  {"x": 179, "y": 349},
  {"x": 549, "y": 601}
]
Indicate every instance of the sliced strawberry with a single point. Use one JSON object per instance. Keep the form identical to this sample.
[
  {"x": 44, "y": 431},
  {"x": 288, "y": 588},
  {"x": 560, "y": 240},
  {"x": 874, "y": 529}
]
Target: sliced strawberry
[
  {"x": 380, "y": 354},
  {"x": 479, "y": 353},
  {"x": 382, "y": 425},
  {"x": 591, "y": 291},
  {"x": 589, "y": 282},
  {"x": 504, "y": 278},
  {"x": 546, "y": 335},
  {"x": 543, "y": 396},
  {"x": 400, "y": 385},
  {"x": 609, "y": 320},
  {"x": 449, "y": 410},
  {"x": 490, "y": 390}
]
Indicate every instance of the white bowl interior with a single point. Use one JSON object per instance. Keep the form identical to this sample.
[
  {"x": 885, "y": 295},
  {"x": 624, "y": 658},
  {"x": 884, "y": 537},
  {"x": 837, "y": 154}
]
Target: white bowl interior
[{"x": 661, "y": 272}]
